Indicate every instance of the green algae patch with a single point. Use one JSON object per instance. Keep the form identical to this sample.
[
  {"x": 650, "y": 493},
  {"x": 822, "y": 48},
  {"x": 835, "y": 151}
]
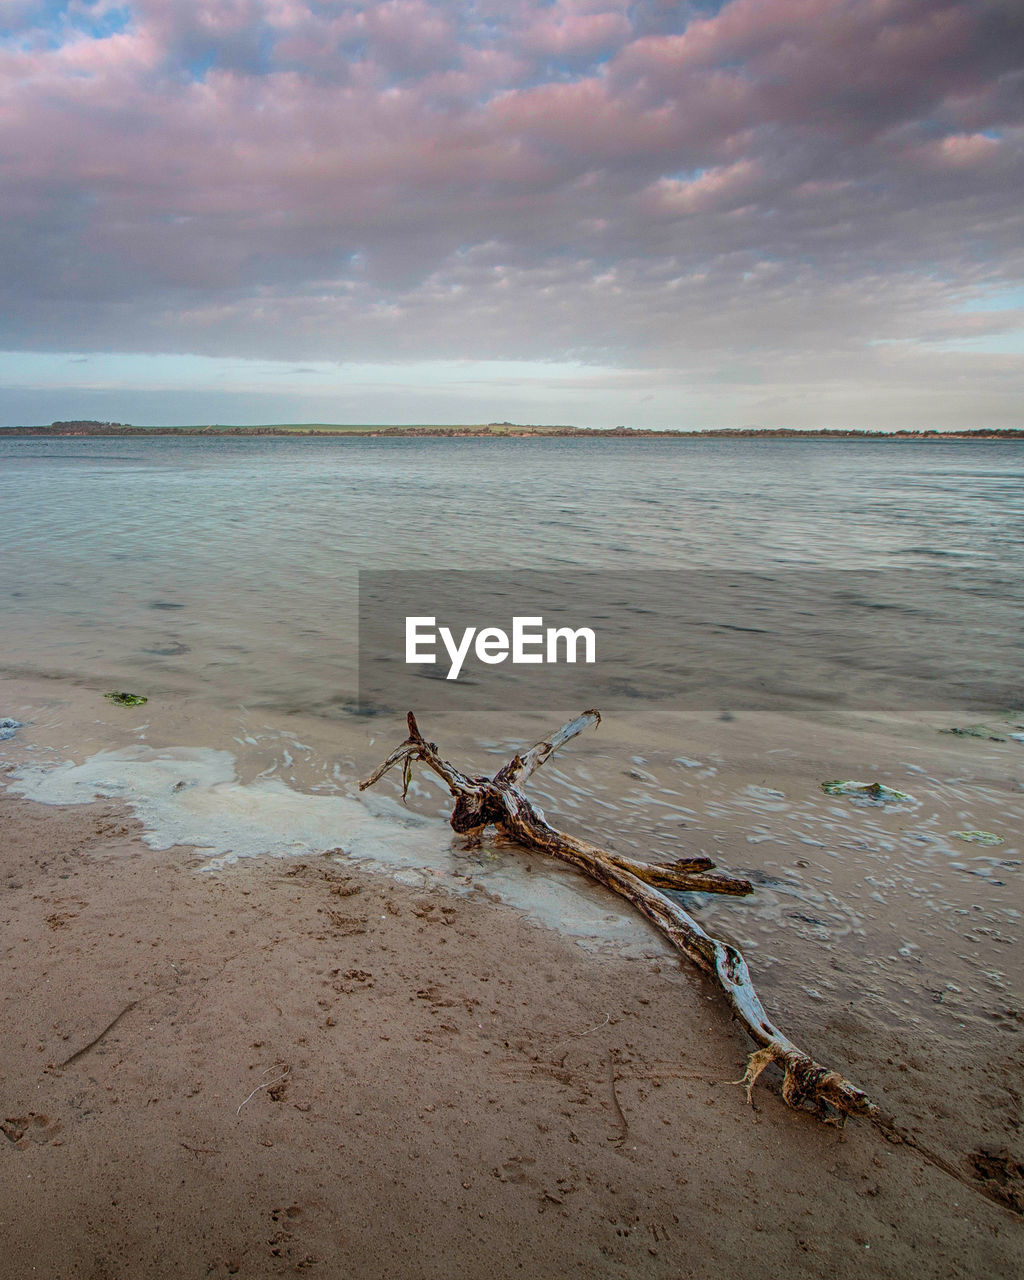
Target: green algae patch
[
  {"x": 971, "y": 732},
  {"x": 126, "y": 699},
  {"x": 978, "y": 837},
  {"x": 873, "y": 791}
]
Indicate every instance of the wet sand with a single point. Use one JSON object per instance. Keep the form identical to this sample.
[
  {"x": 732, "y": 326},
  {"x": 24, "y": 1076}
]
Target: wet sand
[{"x": 289, "y": 1066}]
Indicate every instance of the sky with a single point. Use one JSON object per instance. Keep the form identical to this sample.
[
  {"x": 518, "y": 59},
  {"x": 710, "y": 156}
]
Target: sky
[{"x": 789, "y": 213}]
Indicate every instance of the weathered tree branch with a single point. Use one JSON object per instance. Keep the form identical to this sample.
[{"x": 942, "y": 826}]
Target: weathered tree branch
[{"x": 500, "y": 802}]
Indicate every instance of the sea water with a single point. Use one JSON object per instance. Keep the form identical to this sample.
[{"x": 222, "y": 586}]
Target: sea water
[{"x": 218, "y": 577}]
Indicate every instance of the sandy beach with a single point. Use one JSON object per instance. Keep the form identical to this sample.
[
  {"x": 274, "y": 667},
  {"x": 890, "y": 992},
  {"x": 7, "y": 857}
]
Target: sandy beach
[{"x": 295, "y": 1066}]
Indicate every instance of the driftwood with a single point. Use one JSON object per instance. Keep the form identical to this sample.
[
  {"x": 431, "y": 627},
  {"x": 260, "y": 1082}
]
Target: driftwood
[{"x": 499, "y": 801}]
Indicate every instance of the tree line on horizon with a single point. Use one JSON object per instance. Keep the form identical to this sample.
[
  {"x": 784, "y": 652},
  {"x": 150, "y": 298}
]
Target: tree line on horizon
[{"x": 89, "y": 426}]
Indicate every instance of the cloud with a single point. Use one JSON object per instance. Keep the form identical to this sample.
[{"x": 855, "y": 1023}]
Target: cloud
[
  {"x": 570, "y": 32},
  {"x": 641, "y": 184}
]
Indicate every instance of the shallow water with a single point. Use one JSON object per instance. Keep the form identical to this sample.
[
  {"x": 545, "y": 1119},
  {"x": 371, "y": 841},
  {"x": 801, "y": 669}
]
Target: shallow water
[
  {"x": 218, "y": 577},
  {"x": 226, "y": 568}
]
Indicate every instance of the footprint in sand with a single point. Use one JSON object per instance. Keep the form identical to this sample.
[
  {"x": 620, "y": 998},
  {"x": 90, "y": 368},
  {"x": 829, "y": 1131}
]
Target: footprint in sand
[
  {"x": 1002, "y": 1175},
  {"x": 21, "y": 1131}
]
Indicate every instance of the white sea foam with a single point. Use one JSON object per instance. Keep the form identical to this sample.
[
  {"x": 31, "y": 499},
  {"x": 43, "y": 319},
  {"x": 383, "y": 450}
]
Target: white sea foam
[{"x": 192, "y": 796}]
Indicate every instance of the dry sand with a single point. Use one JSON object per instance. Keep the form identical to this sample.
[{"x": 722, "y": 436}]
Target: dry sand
[{"x": 291, "y": 1067}]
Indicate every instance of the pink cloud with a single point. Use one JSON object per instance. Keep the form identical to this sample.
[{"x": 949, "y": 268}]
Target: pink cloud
[
  {"x": 565, "y": 33},
  {"x": 852, "y": 61},
  {"x": 958, "y": 151},
  {"x": 222, "y": 144},
  {"x": 718, "y": 190}
]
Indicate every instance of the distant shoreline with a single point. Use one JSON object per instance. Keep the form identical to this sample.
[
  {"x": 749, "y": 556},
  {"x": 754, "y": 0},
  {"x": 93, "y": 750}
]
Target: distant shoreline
[{"x": 502, "y": 430}]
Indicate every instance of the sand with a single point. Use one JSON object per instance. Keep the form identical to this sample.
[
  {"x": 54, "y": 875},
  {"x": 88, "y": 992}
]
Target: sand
[{"x": 292, "y": 1066}]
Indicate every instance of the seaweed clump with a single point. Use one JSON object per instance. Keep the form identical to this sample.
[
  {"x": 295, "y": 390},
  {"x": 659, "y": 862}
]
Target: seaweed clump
[
  {"x": 873, "y": 791},
  {"x": 126, "y": 699}
]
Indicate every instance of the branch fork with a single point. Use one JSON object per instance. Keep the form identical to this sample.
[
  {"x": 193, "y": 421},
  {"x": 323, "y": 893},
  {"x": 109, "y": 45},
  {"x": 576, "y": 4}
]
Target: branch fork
[{"x": 500, "y": 801}]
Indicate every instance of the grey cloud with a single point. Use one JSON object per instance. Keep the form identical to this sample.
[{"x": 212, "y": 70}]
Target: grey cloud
[{"x": 743, "y": 178}]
